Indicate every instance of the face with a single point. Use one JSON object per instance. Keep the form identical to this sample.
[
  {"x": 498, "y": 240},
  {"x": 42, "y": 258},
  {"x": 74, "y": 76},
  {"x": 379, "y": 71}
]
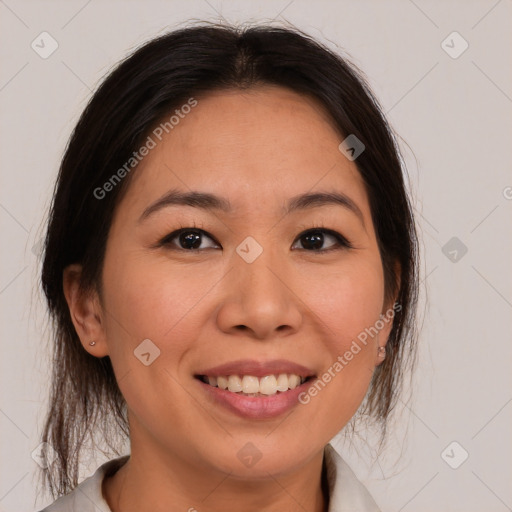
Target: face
[{"x": 256, "y": 289}]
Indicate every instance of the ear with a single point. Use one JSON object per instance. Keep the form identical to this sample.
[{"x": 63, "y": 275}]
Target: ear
[
  {"x": 85, "y": 312},
  {"x": 387, "y": 317}
]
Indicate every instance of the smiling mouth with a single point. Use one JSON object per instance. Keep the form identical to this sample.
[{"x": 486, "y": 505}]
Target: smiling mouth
[{"x": 249, "y": 385}]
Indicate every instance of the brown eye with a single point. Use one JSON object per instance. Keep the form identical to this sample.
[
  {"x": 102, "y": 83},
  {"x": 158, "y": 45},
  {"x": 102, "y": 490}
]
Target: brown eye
[
  {"x": 187, "y": 239},
  {"x": 313, "y": 240}
]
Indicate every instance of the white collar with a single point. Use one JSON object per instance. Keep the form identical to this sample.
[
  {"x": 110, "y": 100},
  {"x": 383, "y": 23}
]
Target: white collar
[{"x": 346, "y": 492}]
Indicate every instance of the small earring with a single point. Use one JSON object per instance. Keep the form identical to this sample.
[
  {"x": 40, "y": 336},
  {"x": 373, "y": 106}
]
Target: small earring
[
  {"x": 382, "y": 351},
  {"x": 92, "y": 343}
]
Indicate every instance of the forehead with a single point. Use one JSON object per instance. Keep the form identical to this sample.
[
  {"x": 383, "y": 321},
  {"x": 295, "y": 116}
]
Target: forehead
[{"x": 254, "y": 147}]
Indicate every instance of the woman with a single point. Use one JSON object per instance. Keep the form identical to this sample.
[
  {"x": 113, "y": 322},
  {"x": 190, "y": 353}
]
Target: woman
[{"x": 231, "y": 265}]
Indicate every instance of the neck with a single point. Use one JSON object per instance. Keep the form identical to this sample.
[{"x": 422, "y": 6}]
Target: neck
[{"x": 149, "y": 481}]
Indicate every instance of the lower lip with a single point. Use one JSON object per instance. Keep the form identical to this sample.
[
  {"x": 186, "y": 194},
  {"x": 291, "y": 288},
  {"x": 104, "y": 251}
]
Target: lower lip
[{"x": 254, "y": 407}]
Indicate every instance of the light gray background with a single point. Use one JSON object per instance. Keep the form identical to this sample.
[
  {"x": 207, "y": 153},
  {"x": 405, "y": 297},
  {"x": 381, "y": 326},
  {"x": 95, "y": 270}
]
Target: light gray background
[{"x": 455, "y": 118}]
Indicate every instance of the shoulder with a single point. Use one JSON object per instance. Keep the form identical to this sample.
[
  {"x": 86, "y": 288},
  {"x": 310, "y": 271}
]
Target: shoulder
[
  {"x": 87, "y": 496},
  {"x": 346, "y": 492}
]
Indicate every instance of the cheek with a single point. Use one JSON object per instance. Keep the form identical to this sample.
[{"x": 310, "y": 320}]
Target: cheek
[
  {"x": 149, "y": 302},
  {"x": 156, "y": 302},
  {"x": 153, "y": 299},
  {"x": 348, "y": 301},
  {"x": 348, "y": 304}
]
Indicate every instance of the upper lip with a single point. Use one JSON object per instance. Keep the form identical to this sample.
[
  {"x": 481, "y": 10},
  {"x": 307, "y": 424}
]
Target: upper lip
[{"x": 258, "y": 368}]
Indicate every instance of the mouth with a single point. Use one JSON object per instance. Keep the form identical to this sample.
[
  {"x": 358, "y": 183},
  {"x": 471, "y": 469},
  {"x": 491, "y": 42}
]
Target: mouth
[
  {"x": 255, "y": 389},
  {"x": 253, "y": 386}
]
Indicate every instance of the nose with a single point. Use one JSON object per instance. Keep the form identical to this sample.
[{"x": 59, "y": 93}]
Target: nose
[{"x": 258, "y": 299}]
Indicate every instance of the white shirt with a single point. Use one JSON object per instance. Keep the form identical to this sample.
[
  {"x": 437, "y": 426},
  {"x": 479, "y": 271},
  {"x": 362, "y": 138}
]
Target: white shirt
[{"x": 346, "y": 492}]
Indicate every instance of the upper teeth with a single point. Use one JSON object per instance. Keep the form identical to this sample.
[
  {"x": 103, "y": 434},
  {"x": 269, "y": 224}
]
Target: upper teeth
[{"x": 268, "y": 385}]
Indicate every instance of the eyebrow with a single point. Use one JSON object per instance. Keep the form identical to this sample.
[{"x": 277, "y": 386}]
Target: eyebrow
[{"x": 208, "y": 201}]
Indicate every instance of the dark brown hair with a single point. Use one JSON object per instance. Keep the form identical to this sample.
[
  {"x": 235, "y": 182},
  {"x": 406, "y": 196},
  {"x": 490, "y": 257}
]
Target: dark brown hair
[{"x": 157, "y": 78}]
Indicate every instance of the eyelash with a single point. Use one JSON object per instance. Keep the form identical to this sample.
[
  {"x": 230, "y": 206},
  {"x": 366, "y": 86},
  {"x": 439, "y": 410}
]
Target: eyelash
[{"x": 341, "y": 242}]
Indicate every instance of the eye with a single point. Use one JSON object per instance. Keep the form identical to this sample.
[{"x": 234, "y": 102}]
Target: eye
[
  {"x": 191, "y": 239},
  {"x": 314, "y": 239},
  {"x": 187, "y": 239}
]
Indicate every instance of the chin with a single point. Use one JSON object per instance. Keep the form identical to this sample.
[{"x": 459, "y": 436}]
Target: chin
[{"x": 255, "y": 458}]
